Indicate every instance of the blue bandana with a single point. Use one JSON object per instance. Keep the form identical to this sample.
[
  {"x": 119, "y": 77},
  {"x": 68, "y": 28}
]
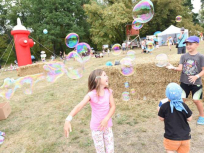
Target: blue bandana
[{"x": 173, "y": 93}]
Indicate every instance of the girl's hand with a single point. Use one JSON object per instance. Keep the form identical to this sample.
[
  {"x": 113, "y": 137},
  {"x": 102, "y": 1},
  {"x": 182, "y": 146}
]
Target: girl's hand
[
  {"x": 104, "y": 124},
  {"x": 67, "y": 128},
  {"x": 192, "y": 79}
]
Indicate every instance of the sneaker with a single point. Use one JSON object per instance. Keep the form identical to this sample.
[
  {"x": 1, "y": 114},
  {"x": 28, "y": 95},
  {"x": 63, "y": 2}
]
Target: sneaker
[{"x": 200, "y": 120}]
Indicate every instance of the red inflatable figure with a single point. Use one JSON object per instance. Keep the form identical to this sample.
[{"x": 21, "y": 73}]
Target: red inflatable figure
[{"x": 22, "y": 44}]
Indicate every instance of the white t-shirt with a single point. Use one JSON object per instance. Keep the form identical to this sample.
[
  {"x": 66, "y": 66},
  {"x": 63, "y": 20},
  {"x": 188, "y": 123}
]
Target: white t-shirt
[{"x": 124, "y": 45}]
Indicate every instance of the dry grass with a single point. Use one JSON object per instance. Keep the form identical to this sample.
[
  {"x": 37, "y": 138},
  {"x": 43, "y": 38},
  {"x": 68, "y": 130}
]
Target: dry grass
[{"x": 36, "y": 122}]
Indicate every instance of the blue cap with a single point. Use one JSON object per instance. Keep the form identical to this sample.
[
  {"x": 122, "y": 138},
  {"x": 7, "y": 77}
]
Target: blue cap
[{"x": 192, "y": 39}]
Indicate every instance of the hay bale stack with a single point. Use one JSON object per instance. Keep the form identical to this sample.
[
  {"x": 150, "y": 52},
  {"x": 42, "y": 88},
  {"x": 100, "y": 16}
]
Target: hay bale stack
[
  {"x": 30, "y": 69},
  {"x": 148, "y": 80}
]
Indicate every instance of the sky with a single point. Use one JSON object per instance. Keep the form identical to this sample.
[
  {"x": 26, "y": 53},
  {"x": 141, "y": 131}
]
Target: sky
[{"x": 196, "y": 5}]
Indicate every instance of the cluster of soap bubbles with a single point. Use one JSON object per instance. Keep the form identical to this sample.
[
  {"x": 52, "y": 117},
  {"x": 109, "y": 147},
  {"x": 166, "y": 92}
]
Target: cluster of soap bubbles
[
  {"x": 143, "y": 12},
  {"x": 126, "y": 95},
  {"x": 73, "y": 66},
  {"x": 74, "y": 61},
  {"x": 178, "y": 18},
  {"x": 127, "y": 63},
  {"x": 53, "y": 71}
]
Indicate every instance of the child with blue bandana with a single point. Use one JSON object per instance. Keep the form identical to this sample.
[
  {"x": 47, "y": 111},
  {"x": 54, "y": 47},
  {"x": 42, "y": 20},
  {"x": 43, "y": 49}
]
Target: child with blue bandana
[{"x": 175, "y": 115}]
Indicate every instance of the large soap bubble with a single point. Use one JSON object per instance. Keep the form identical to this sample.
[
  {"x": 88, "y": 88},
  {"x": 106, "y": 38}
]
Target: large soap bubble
[
  {"x": 84, "y": 50},
  {"x": 71, "y": 40},
  {"x": 116, "y": 49},
  {"x": 144, "y": 10},
  {"x": 74, "y": 65},
  {"x": 161, "y": 60},
  {"x": 137, "y": 23}
]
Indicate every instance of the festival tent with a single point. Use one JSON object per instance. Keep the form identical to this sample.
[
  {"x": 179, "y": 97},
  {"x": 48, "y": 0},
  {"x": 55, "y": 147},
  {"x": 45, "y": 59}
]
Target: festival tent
[{"x": 170, "y": 31}]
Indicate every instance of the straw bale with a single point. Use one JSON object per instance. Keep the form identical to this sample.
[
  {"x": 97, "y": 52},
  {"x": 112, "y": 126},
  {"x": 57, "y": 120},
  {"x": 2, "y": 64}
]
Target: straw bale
[{"x": 148, "y": 80}]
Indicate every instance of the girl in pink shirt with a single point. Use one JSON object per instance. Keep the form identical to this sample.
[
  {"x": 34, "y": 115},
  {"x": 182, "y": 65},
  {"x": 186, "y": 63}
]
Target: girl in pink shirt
[{"x": 103, "y": 107}]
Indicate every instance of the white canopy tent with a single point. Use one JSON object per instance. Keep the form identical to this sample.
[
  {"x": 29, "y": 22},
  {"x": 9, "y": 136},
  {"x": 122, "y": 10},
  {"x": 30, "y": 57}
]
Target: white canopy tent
[{"x": 170, "y": 31}]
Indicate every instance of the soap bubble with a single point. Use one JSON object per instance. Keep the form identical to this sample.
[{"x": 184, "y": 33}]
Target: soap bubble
[
  {"x": 27, "y": 85},
  {"x": 144, "y": 10},
  {"x": 74, "y": 65},
  {"x": 161, "y": 60},
  {"x": 8, "y": 88},
  {"x": 71, "y": 40},
  {"x": 133, "y": 92},
  {"x": 28, "y": 82},
  {"x": 54, "y": 71},
  {"x": 137, "y": 23},
  {"x": 126, "y": 67},
  {"x": 126, "y": 96},
  {"x": 131, "y": 54},
  {"x": 179, "y": 18},
  {"x": 45, "y": 31},
  {"x": 116, "y": 49},
  {"x": 84, "y": 50},
  {"x": 126, "y": 84}
]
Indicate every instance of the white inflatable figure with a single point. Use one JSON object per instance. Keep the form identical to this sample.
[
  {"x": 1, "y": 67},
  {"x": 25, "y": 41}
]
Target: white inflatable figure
[{"x": 43, "y": 56}]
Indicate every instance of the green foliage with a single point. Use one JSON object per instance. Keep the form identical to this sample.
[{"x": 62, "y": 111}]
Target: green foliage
[
  {"x": 108, "y": 21},
  {"x": 59, "y": 17}
]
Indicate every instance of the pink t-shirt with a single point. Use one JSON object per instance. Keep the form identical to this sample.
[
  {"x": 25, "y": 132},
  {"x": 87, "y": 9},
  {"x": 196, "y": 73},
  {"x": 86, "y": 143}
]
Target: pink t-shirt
[{"x": 100, "y": 108}]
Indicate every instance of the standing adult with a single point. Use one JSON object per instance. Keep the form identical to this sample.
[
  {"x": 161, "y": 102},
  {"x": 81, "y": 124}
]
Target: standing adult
[{"x": 181, "y": 38}]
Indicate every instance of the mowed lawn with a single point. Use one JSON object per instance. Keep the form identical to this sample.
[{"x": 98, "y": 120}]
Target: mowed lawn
[{"x": 36, "y": 122}]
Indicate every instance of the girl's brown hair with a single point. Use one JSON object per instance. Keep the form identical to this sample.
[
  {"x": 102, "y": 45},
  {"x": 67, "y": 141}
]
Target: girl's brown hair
[{"x": 94, "y": 80}]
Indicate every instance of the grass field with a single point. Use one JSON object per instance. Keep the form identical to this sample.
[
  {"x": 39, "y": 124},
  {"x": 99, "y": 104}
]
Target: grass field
[{"x": 36, "y": 122}]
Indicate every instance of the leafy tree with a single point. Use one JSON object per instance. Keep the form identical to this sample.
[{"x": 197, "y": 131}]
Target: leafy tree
[{"x": 59, "y": 17}]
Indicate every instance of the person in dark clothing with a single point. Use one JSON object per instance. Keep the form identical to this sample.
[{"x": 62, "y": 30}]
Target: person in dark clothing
[{"x": 175, "y": 115}]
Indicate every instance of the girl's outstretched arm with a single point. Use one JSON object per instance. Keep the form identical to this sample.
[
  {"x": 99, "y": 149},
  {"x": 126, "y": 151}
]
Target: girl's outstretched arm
[
  {"x": 77, "y": 108},
  {"x": 104, "y": 122}
]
